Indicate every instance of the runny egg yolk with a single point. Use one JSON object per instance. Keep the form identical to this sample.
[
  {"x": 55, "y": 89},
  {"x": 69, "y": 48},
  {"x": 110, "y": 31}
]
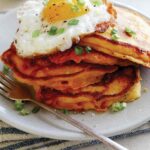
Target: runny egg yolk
[{"x": 61, "y": 10}]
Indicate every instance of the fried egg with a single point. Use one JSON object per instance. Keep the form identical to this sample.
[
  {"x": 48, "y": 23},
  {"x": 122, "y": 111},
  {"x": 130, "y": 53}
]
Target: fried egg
[{"x": 46, "y": 26}]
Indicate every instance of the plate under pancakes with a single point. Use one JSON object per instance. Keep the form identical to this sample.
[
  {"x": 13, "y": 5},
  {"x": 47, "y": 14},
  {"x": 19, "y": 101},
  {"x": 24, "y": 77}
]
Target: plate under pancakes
[{"x": 135, "y": 49}]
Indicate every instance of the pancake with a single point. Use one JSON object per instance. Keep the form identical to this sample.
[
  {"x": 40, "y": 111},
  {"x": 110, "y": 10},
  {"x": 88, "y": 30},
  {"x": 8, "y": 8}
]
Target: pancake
[
  {"x": 93, "y": 57},
  {"x": 121, "y": 86},
  {"x": 62, "y": 63},
  {"x": 135, "y": 49},
  {"x": 71, "y": 82}
]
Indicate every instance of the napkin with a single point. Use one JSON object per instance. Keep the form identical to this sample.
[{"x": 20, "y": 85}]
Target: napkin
[{"x": 14, "y": 139}]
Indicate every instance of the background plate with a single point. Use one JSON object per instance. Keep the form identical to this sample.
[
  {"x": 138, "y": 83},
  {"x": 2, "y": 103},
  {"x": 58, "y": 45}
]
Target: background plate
[{"x": 46, "y": 125}]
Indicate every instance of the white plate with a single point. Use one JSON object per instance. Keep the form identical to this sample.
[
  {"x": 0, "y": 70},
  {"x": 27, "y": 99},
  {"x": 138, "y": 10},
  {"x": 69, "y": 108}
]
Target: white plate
[{"x": 46, "y": 125}]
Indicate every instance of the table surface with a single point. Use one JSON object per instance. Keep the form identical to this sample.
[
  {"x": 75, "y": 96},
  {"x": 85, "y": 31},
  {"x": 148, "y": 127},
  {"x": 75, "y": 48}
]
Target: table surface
[{"x": 140, "y": 142}]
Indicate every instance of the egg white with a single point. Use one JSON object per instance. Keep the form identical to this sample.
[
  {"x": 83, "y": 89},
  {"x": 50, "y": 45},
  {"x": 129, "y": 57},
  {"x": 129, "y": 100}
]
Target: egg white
[{"x": 30, "y": 20}]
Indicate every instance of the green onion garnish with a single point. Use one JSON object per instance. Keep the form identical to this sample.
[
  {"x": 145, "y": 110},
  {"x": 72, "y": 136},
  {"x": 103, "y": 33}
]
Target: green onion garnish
[
  {"x": 45, "y": 2},
  {"x": 73, "y": 22},
  {"x": 88, "y": 49},
  {"x": 75, "y": 8},
  {"x": 19, "y": 105},
  {"x": 119, "y": 106},
  {"x": 65, "y": 111},
  {"x": 24, "y": 112},
  {"x": 114, "y": 37},
  {"x": 35, "y": 109},
  {"x": 130, "y": 32},
  {"x": 97, "y": 2},
  {"x": 81, "y": 2},
  {"x": 6, "y": 70},
  {"x": 78, "y": 50},
  {"x": 114, "y": 31},
  {"x": 61, "y": 31},
  {"x": 36, "y": 33},
  {"x": 53, "y": 30}
]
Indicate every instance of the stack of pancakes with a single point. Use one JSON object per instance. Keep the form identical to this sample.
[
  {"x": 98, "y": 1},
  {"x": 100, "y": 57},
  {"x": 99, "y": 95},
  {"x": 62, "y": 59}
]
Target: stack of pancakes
[{"x": 108, "y": 73}]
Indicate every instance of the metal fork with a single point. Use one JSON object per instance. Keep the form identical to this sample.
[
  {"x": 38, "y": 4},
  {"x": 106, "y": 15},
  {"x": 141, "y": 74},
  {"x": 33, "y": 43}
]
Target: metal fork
[{"x": 12, "y": 90}]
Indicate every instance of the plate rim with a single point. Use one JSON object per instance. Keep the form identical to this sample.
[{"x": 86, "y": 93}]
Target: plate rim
[{"x": 79, "y": 135}]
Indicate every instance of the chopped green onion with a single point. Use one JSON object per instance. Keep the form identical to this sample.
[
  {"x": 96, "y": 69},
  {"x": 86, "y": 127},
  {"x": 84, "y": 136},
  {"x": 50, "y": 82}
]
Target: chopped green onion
[
  {"x": 35, "y": 110},
  {"x": 45, "y": 2},
  {"x": 75, "y": 8},
  {"x": 114, "y": 37},
  {"x": 96, "y": 2},
  {"x": 19, "y": 105},
  {"x": 78, "y": 50},
  {"x": 114, "y": 31},
  {"x": 24, "y": 112},
  {"x": 73, "y": 22},
  {"x": 53, "y": 30},
  {"x": 36, "y": 33},
  {"x": 61, "y": 31},
  {"x": 6, "y": 70},
  {"x": 65, "y": 111},
  {"x": 130, "y": 32},
  {"x": 145, "y": 90},
  {"x": 81, "y": 2},
  {"x": 118, "y": 106},
  {"x": 88, "y": 49}
]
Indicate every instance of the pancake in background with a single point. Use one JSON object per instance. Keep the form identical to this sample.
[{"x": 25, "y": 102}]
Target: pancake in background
[{"x": 135, "y": 48}]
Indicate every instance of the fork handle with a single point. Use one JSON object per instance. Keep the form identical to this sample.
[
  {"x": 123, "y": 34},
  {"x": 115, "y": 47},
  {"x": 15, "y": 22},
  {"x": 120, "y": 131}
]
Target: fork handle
[{"x": 107, "y": 141}]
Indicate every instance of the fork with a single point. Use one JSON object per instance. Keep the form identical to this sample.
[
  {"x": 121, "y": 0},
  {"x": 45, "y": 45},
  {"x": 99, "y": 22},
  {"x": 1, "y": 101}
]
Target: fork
[{"x": 12, "y": 90}]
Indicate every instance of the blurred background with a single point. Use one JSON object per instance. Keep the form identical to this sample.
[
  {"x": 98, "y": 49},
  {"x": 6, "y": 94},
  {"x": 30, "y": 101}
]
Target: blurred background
[{"x": 6, "y": 5}]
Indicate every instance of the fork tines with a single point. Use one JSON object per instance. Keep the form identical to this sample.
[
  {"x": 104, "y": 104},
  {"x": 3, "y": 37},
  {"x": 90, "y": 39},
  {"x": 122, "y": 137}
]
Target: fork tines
[
  {"x": 6, "y": 83},
  {"x": 7, "y": 79}
]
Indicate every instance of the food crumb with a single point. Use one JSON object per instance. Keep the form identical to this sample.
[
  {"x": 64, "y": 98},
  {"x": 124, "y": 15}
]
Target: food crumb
[
  {"x": 145, "y": 90},
  {"x": 74, "y": 112},
  {"x": 93, "y": 114},
  {"x": 83, "y": 112}
]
